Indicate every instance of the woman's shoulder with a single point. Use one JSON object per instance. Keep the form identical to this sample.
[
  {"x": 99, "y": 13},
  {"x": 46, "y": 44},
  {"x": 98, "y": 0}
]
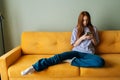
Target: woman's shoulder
[{"x": 75, "y": 28}]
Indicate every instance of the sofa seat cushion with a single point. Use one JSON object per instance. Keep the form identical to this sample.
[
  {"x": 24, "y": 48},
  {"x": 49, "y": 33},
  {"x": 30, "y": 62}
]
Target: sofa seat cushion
[
  {"x": 111, "y": 69},
  {"x": 59, "y": 70}
]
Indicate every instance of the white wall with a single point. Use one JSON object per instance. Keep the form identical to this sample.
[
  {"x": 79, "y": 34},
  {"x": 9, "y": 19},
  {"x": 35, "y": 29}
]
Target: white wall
[{"x": 55, "y": 15}]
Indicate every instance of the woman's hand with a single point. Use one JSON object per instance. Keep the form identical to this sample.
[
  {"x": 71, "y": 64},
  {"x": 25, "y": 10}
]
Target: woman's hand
[
  {"x": 79, "y": 40},
  {"x": 90, "y": 36},
  {"x": 86, "y": 36},
  {"x": 82, "y": 38}
]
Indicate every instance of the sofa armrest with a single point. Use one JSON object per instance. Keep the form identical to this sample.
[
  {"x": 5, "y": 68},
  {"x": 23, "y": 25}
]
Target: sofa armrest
[{"x": 7, "y": 59}]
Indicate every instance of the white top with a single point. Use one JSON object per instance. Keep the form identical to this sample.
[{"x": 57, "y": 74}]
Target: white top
[{"x": 85, "y": 46}]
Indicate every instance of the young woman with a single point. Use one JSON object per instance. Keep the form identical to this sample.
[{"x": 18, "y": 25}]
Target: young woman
[{"x": 84, "y": 39}]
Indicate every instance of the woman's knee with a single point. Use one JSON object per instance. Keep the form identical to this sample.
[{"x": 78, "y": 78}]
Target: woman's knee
[{"x": 100, "y": 62}]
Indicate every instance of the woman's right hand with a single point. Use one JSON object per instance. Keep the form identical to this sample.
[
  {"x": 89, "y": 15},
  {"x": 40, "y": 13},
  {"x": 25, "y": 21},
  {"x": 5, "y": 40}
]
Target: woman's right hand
[
  {"x": 79, "y": 40},
  {"x": 83, "y": 37}
]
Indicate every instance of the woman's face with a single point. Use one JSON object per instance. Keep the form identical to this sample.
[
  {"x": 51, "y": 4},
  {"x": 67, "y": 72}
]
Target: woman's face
[{"x": 85, "y": 21}]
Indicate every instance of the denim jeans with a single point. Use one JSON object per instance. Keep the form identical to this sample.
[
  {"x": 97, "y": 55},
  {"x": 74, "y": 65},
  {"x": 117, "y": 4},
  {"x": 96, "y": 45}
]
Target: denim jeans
[{"x": 81, "y": 60}]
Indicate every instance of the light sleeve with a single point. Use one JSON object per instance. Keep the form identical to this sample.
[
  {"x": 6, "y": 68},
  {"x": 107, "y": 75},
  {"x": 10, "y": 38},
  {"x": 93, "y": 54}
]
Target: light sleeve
[
  {"x": 96, "y": 34},
  {"x": 74, "y": 35}
]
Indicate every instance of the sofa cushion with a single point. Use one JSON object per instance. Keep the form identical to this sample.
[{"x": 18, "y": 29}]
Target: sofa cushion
[
  {"x": 59, "y": 70},
  {"x": 109, "y": 42},
  {"x": 45, "y": 42},
  {"x": 111, "y": 69}
]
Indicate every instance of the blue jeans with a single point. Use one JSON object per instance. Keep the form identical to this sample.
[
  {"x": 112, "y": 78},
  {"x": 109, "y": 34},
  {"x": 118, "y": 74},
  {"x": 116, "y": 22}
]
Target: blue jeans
[{"x": 81, "y": 60}]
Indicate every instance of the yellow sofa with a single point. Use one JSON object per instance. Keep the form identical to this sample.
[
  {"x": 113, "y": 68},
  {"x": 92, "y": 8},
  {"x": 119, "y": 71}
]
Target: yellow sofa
[{"x": 36, "y": 45}]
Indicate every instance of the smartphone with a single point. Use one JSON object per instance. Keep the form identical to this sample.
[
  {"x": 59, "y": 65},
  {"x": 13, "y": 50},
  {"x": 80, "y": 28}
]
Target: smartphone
[{"x": 89, "y": 33}]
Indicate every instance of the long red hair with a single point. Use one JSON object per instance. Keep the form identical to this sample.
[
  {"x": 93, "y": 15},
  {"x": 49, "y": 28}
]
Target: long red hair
[{"x": 80, "y": 26}]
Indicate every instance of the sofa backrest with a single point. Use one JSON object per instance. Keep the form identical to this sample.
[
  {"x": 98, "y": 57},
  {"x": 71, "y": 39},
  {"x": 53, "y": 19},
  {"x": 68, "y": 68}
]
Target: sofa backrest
[
  {"x": 45, "y": 42},
  {"x": 57, "y": 42},
  {"x": 109, "y": 42}
]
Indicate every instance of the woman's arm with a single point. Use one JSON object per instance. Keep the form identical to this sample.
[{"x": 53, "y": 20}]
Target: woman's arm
[
  {"x": 78, "y": 41},
  {"x": 84, "y": 37},
  {"x": 94, "y": 41},
  {"x": 95, "y": 38}
]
